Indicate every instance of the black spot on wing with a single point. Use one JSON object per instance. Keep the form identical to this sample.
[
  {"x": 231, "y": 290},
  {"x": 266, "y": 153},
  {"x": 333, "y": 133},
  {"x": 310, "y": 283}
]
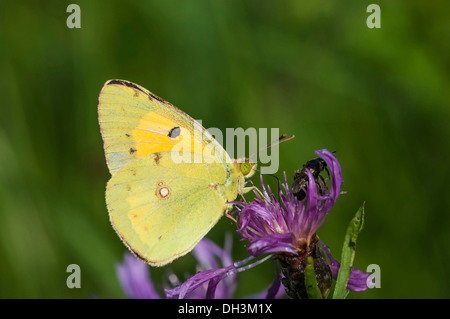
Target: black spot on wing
[
  {"x": 174, "y": 132},
  {"x": 132, "y": 150}
]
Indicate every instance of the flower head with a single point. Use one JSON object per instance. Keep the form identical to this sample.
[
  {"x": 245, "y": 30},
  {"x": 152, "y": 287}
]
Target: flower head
[
  {"x": 289, "y": 225},
  {"x": 288, "y": 228}
]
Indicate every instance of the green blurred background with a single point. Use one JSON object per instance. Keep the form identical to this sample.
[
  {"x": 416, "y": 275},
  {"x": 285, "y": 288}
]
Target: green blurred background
[{"x": 379, "y": 97}]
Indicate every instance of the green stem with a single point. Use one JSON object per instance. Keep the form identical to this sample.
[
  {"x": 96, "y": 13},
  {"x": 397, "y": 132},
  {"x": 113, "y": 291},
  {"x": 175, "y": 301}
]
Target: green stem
[{"x": 310, "y": 280}]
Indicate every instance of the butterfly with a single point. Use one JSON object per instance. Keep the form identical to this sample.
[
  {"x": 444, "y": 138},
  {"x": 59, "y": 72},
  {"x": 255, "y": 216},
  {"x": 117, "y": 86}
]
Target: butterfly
[{"x": 162, "y": 203}]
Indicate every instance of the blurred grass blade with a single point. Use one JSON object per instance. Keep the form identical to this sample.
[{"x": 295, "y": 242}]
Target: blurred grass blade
[
  {"x": 312, "y": 287},
  {"x": 348, "y": 253}
]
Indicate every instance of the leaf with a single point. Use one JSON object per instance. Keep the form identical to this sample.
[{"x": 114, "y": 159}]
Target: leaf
[
  {"x": 310, "y": 280},
  {"x": 348, "y": 254}
]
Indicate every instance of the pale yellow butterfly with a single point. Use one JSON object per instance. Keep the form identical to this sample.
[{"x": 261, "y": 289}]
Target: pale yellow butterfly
[{"x": 159, "y": 207}]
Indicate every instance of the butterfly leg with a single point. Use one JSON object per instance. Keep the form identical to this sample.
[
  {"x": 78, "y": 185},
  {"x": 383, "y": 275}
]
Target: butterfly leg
[
  {"x": 228, "y": 215},
  {"x": 245, "y": 190}
]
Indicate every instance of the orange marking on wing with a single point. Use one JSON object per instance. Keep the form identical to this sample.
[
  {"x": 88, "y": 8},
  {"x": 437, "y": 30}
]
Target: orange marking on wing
[{"x": 152, "y": 136}]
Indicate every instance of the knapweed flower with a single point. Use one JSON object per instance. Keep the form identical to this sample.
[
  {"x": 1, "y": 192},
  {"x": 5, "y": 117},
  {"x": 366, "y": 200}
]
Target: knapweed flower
[
  {"x": 289, "y": 225},
  {"x": 286, "y": 229},
  {"x": 134, "y": 274}
]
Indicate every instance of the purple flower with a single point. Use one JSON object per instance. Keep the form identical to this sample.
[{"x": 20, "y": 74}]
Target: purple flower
[
  {"x": 134, "y": 274},
  {"x": 287, "y": 227},
  {"x": 134, "y": 277},
  {"x": 287, "y": 230}
]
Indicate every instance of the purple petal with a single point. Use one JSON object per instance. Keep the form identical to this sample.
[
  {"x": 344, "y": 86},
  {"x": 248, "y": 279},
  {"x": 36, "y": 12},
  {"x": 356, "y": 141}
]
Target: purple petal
[
  {"x": 312, "y": 217},
  {"x": 134, "y": 278},
  {"x": 325, "y": 203},
  {"x": 212, "y": 287},
  {"x": 358, "y": 279},
  {"x": 274, "y": 291},
  {"x": 206, "y": 253},
  {"x": 217, "y": 280},
  {"x": 198, "y": 280},
  {"x": 212, "y": 277},
  {"x": 272, "y": 243},
  {"x": 211, "y": 256},
  {"x": 336, "y": 173}
]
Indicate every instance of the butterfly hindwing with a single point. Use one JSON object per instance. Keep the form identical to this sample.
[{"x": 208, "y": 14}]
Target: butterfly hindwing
[{"x": 161, "y": 209}]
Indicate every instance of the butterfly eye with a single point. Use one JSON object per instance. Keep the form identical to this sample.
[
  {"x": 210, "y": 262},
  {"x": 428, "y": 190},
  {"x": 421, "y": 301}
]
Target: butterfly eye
[{"x": 246, "y": 168}]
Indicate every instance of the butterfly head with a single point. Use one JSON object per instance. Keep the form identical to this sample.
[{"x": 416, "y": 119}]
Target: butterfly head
[{"x": 247, "y": 168}]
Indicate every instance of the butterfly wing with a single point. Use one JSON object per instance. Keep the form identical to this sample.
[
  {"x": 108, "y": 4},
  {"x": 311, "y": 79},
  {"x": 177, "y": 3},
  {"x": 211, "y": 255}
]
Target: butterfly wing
[
  {"x": 135, "y": 123},
  {"x": 161, "y": 209}
]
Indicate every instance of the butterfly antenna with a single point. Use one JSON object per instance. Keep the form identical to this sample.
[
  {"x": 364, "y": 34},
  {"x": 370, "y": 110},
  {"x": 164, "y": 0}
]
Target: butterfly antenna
[{"x": 277, "y": 141}]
